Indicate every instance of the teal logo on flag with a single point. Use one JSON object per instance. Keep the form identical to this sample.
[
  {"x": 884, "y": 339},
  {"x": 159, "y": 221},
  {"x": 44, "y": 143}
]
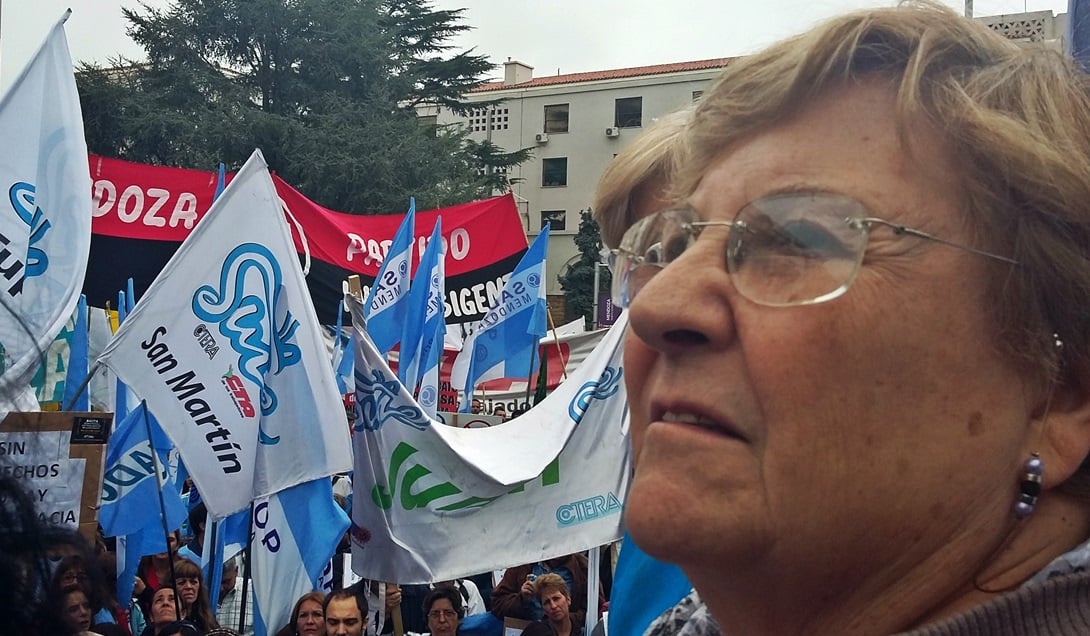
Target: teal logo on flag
[
  {"x": 21, "y": 196},
  {"x": 257, "y": 326},
  {"x": 377, "y": 403},
  {"x": 603, "y": 388}
]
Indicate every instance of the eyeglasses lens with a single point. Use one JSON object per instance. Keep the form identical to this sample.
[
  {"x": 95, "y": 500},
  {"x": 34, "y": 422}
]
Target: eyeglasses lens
[{"x": 782, "y": 250}]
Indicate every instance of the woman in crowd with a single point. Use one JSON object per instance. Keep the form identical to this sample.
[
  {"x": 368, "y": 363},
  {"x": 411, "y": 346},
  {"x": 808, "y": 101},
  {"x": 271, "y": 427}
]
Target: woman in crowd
[
  {"x": 858, "y": 362},
  {"x": 552, "y": 592},
  {"x": 154, "y": 572},
  {"x": 307, "y": 618},
  {"x": 443, "y": 610},
  {"x": 193, "y": 594},
  {"x": 74, "y": 609},
  {"x": 164, "y": 611}
]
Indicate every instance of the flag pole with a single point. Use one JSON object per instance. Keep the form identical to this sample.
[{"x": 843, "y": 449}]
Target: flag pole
[
  {"x": 82, "y": 386},
  {"x": 246, "y": 577},
  {"x": 556, "y": 340},
  {"x": 162, "y": 504}
]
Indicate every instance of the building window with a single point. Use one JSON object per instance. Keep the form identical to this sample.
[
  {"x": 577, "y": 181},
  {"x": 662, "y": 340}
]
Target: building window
[
  {"x": 628, "y": 112},
  {"x": 556, "y": 118},
  {"x": 558, "y": 219},
  {"x": 697, "y": 95},
  {"x": 554, "y": 172},
  {"x": 430, "y": 122}
]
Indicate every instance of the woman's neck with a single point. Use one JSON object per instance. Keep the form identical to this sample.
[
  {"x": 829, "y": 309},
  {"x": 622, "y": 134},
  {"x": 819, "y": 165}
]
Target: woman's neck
[{"x": 562, "y": 628}]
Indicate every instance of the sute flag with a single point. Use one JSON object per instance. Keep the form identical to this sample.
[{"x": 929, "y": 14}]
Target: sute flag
[
  {"x": 386, "y": 304},
  {"x": 505, "y": 341},
  {"x": 45, "y": 210},
  {"x": 424, "y": 325},
  {"x": 226, "y": 349}
]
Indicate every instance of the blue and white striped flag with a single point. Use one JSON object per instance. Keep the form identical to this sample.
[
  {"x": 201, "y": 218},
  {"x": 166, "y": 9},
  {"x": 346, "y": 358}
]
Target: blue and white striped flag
[
  {"x": 422, "y": 340},
  {"x": 296, "y": 532},
  {"x": 131, "y": 491},
  {"x": 386, "y": 304},
  {"x": 504, "y": 344}
]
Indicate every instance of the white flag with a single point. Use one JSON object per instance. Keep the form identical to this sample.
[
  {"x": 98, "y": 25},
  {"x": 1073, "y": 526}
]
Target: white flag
[
  {"x": 45, "y": 209},
  {"x": 226, "y": 349},
  {"x": 548, "y": 483}
]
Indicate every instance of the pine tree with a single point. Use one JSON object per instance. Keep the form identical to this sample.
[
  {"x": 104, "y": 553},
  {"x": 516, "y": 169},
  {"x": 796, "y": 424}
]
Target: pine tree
[
  {"x": 327, "y": 89},
  {"x": 578, "y": 281}
]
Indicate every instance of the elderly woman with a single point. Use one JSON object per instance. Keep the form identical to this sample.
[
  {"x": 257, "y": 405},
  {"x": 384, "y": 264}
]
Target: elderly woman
[
  {"x": 164, "y": 611},
  {"x": 859, "y": 350},
  {"x": 193, "y": 594},
  {"x": 443, "y": 610}
]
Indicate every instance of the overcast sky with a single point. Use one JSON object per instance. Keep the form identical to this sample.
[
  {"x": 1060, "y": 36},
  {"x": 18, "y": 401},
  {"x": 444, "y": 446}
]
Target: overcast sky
[{"x": 553, "y": 36}]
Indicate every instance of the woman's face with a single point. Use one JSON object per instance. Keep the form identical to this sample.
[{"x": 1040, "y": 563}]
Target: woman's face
[
  {"x": 163, "y": 610},
  {"x": 556, "y": 605},
  {"x": 442, "y": 619},
  {"x": 188, "y": 588},
  {"x": 824, "y": 444},
  {"x": 77, "y": 612},
  {"x": 311, "y": 620}
]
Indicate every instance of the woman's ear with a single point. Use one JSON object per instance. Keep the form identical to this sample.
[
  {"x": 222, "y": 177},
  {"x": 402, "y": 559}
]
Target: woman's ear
[{"x": 1065, "y": 432}]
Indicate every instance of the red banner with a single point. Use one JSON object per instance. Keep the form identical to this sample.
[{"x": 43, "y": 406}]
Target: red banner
[{"x": 134, "y": 204}]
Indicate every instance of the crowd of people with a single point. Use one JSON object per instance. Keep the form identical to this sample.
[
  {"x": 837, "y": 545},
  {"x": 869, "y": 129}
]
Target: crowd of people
[{"x": 857, "y": 276}]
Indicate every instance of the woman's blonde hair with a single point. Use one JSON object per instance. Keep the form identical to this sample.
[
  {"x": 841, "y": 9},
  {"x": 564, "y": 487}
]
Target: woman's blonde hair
[
  {"x": 646, "y": 162},
  {"x": 1015, "y": 119},
  {"x": 551, "y": 582}
]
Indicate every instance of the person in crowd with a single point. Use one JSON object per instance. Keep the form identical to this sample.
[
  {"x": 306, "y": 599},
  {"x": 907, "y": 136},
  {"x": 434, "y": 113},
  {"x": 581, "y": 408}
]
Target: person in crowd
[
  {"x": 555, "y": 598},
  {"x": 74, "y": 608},
  {"x": 634, "y": 185},
  {"x": 500, "y": 411},
  {"x": 109, "y": 629},
  {"x": 181, "y": 628},
  {"x": 307, "y": 617},
  {"x": 193, "y": 594},
  {"x": 858, "y": 356},
  {"x": 538, "y": 628},
  {"x": 476, "y": 406},
  {"x": 230, "y": 610},
  {"x": 164, "y": 611},
  {"x": 153, "y": 572},
  {"x": 444, "y": 610},
  {"x": 345, "y": 612},
  {"x": 514, "y": 595}
]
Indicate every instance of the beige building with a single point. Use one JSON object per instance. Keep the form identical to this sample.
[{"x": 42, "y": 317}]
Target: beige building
[{"x": 577, "y": 123}]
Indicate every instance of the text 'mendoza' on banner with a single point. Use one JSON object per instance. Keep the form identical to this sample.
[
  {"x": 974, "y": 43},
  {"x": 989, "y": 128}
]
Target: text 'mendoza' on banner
[
  {"x": 226, "y": 349},
  {"x": 45, "y": 217},
  {"x": 545, "y": 484},
  {"x": 141, "y": 214}
]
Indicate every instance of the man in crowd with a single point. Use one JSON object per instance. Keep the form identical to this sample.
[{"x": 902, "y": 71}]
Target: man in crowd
[
  {"x": 346, "y": 612},
  {"x": 230, "y": 607}
]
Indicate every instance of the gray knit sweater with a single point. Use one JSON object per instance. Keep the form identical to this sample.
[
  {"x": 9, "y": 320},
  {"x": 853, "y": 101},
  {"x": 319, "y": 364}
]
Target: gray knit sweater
[{"x": 1057, "y": 607}]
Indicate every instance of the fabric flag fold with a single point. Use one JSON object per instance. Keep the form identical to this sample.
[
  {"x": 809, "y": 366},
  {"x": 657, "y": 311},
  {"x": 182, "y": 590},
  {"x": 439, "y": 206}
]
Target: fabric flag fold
[
  {"x": 554, "y": 477},
  {"x": 45, "y": 210},
  {"x": 504, "y": 343},
  {"x": 422, "y": 339},
  {"x": 226, "y": 349},
  {"x": 386, "y": 303},
  {"x": 296, "y": 533},
  {"x": 130, "y": 499}
]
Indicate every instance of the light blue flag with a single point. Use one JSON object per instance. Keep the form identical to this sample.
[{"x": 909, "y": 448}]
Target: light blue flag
[
  {"x": 77, "y": 363},
  {"x": 633, "y": 604},
  {"x": 425, "y": 313},
  {"x": 386, "y": 304},
  {"x": 121, "y": 395},
  {"x": 130, "y": 505},
  {"x": 296, "y": 532},
  {"x": 230, "y": 535},
  {"x": 346, "y": 367},
  {"x": 505, "y": 342}
]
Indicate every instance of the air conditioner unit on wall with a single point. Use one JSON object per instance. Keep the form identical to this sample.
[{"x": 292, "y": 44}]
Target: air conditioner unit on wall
[
  {"x": 613, "y": 131},
  {"x": 541, "y": 138}
]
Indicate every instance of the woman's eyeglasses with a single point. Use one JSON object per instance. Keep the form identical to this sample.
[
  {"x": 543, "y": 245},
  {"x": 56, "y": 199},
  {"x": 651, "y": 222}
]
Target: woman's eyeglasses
[
  {"x": 447, "y": 614},
  {"x": 781, "y": 251}
]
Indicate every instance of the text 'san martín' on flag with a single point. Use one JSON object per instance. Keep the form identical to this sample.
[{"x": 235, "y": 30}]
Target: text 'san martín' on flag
[{"x": 226, "y": 349}]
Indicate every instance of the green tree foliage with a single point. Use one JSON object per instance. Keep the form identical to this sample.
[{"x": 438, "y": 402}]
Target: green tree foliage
[
  {"x": 578, "y": 281},
  {"x": 326, "y": 88}
]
